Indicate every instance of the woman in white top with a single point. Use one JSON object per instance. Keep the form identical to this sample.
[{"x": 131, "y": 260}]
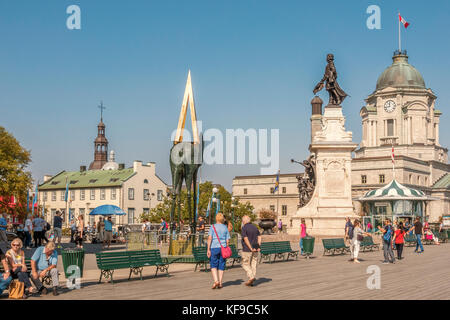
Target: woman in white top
[
  {"x": 16, "y": 261},
  {"x": 358, "y": 235},
  {"x": 27, "y": 229},
  {"x": 79, "y": 238}
]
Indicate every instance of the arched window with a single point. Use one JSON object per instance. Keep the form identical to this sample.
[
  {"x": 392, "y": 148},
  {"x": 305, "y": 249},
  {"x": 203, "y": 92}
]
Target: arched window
[{"x": 145, "y": 181}]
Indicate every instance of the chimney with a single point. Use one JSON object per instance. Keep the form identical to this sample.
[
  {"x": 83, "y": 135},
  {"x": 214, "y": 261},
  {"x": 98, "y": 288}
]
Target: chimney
[
  {"x": 82, "y": 168},
  {"x": 316, "y": 117},
  {"x": 121, "y": 166},
  {"x": 136, "y": 165}
]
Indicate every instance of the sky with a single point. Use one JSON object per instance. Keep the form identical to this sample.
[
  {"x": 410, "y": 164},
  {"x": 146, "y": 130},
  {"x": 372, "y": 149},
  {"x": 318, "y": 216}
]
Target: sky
[{"x": 254, "y": 64}]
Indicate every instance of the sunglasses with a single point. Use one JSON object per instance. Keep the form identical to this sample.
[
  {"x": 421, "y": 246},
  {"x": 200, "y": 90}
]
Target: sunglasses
[{"x": 15, "y": 245}]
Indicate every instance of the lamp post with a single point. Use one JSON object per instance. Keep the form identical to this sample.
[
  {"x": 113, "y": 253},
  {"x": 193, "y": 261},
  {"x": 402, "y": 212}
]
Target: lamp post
[{"x": 232, "y": 212}]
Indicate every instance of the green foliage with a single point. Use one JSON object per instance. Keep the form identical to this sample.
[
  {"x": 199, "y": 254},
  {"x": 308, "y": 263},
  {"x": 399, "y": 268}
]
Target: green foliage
[
  {"x": 14, "y": 180},
  {"x": 163, "y": 209}
]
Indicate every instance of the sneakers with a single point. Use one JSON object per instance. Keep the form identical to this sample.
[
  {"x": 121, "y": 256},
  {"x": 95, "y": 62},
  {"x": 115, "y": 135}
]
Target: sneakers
[{"x": 385, "y": 262}]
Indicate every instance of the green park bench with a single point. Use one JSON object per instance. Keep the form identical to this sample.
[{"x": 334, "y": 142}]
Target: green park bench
[
  {"x": 335, "y": 245},
  {"x": 443, "y": 237},
  {"x": 278, "y": 249},
  {"x": 368, "y": 245},
  {"x": 200, "y": 257},
  {"x": 108, "y": 262},
  {"x": 410, "y": 240},
  {"x": 234, "y": 255}
]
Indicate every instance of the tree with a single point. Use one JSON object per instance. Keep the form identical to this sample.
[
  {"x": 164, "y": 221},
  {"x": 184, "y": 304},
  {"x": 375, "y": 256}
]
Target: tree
[
  {"x": 14, "y": 179},
  {"x": 163, "y": 209}
]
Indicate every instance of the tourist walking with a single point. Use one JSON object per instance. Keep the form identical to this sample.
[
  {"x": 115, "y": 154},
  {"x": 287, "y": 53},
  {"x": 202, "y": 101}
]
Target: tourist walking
[
  {"x": 302, "y": 234},
  {"x": 43, "y": 262},
  {"x": 218, "y": 237},
  {"x": 280, "y": 226},
  {"x": 163, "y": 230},
  {"x": 3, "y": 226},
  {"x": 108, "y": 232},
  {"x": 399, "y": 240},
  {"x": 73, "y": 230},
  {"x": 387, "y": 242},
  {"x": 418, "y": 230},
  {"x": 5, "y": 278},
  {"x": 101, "y": 230},
  {"x": 201, "y": 230},
  {"x": 57, "y": 228},
  {"x": 251, "y": 244},
  {"x": 16, "y": 264},
  {"x": 37, "y": 231},
  {"x": 357, "y": 237},
  {"x": 28, "y": 228},
  {"x": 348, "y": 229},
  {"x": 80, "y": 232}
]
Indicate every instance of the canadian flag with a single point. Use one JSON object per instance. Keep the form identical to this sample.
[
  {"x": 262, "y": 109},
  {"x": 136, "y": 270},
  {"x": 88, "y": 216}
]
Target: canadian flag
[{"x": 406, "y": 24}]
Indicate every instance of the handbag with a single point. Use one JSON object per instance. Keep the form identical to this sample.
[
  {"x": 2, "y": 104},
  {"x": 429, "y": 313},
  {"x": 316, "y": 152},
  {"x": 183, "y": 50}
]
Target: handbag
[
  {"x": 224, "y": 251},
  {"x": 359, "y": 237},
  {"x": 16, "y": 290}
]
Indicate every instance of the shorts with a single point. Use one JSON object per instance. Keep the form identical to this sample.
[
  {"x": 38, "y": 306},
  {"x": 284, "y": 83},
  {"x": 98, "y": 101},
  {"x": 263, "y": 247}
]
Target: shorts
[
  {"x": 57, "y": 232},
  {"x": 216, "y": 260},
  {"x": 108, "y": 236}
]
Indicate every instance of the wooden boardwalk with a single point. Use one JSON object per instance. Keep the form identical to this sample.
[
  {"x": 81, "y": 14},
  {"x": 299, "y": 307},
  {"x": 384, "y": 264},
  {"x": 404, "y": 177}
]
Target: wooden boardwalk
[{"x": 418, "y": 276}]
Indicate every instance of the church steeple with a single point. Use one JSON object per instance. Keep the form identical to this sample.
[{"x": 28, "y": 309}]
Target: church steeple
[{"x": 100, "y": 144}]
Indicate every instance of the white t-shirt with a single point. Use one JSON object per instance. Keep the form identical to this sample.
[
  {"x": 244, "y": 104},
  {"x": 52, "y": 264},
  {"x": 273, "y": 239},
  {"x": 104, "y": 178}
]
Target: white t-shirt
[{"x": 28, "y": 225}]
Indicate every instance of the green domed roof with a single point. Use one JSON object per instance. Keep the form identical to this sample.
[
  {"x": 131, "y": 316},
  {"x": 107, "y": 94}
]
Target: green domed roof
[{"x": 400, "y": 74}]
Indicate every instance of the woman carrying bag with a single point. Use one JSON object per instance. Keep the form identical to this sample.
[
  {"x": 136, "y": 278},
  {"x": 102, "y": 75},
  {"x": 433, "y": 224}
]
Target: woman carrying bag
[{"x": 218, "y": 239}]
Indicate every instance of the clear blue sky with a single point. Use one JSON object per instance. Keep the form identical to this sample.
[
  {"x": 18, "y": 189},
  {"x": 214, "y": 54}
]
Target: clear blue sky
[{"x": 254, "y": 64}]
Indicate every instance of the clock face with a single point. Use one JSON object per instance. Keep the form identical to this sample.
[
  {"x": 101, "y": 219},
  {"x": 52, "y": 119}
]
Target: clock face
[{"x": 389, "y": 106}]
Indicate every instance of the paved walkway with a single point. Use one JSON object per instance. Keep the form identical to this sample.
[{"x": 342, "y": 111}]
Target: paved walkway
[{"x": 418, "y": 276}]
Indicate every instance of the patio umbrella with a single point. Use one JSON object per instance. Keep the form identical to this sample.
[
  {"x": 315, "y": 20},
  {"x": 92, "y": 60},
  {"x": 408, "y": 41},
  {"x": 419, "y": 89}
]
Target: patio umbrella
[{"x": 107, "y": 210}]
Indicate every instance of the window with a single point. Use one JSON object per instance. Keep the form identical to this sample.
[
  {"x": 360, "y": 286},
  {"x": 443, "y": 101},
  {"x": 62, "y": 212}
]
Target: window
[
  {"x": 245, "y": 190},
  {"x": 272, "y": 208},
  {"x": 53, "y": 195},
  {"x": 410, "y": 178},
  {"x": 45, "y": 195},
  {"x": 271, "y": 190},
  {"x": 72, "y": 213},
  {"x": 146, "y": 210},
  {"x": 130, "y": 194},
  {"x": 81, "y": 194},
  {"x": 381, "y": 178},
  {"x": 113, "y": 194},
  {"x": 72, "y": 195},
  {"x": 284, "y": 189},
  {"x": 130, "y": 215},
  {"x": 426, "y": 181},
  {"x": 390, "y": 127},
  {"x": 363, "y": 179},
  {"x": 63, "y": 195},
  {"x": 82, "y": 210},
  {"x": 284, "y": 210},
  {"x": 102, "y": 194},
  {"x": 92, "y": 194},
  {"x": 146, "y": 194},
  {"x": 145, "y": 181},
  {"x": 418, "y": 179},
  {"x": 160, "y": 195}
]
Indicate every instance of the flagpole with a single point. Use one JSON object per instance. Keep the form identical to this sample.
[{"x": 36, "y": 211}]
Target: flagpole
[{"x": 399, "y": 35}]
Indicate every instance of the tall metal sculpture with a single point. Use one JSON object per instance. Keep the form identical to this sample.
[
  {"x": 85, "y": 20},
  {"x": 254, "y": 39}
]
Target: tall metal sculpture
[
  {"x": 306, "y": 181},
  {"x": 186, "y": 157},
  {"x": 337, "y": 95}
]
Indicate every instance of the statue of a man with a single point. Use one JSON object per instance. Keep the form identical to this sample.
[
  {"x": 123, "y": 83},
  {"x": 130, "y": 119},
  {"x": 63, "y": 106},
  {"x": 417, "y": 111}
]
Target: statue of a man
[{"x": 337, "y": 95}]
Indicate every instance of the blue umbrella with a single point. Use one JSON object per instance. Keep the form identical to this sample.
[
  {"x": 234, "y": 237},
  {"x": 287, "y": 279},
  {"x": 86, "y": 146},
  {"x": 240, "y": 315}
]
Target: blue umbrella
[{"x": 107, "y": 210}]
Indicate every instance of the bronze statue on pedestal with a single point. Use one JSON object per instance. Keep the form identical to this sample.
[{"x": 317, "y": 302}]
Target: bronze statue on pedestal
[{"x": 337, "y": 95}]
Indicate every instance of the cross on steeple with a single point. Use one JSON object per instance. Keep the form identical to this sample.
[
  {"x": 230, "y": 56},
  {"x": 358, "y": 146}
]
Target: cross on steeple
[{"x": 101, "y": 107}]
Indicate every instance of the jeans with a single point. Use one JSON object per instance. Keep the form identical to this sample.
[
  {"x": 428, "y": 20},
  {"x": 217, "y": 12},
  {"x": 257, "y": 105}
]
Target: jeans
[
  {"x": 201, "y": 235},
  {"x": 4, "y": 283},
  {"x": 387, "y": 250},
  {"x": 419, "y": 242},
  {"x": 22, "y": 276},
  {"x": 27, "y": 239},
  {"x": 301, "y": 245},
  {"x": 399, "y": 247}
]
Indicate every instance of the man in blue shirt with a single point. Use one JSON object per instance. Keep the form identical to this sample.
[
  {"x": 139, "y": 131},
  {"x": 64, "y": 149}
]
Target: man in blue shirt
[
  {"x": 37, "y": 234},
  {"x": 43, "y": 262},
  {"x": 163, "y": 230},
  {"x": 108, "y": 231},
  {"x": 3, "y": 226}
]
